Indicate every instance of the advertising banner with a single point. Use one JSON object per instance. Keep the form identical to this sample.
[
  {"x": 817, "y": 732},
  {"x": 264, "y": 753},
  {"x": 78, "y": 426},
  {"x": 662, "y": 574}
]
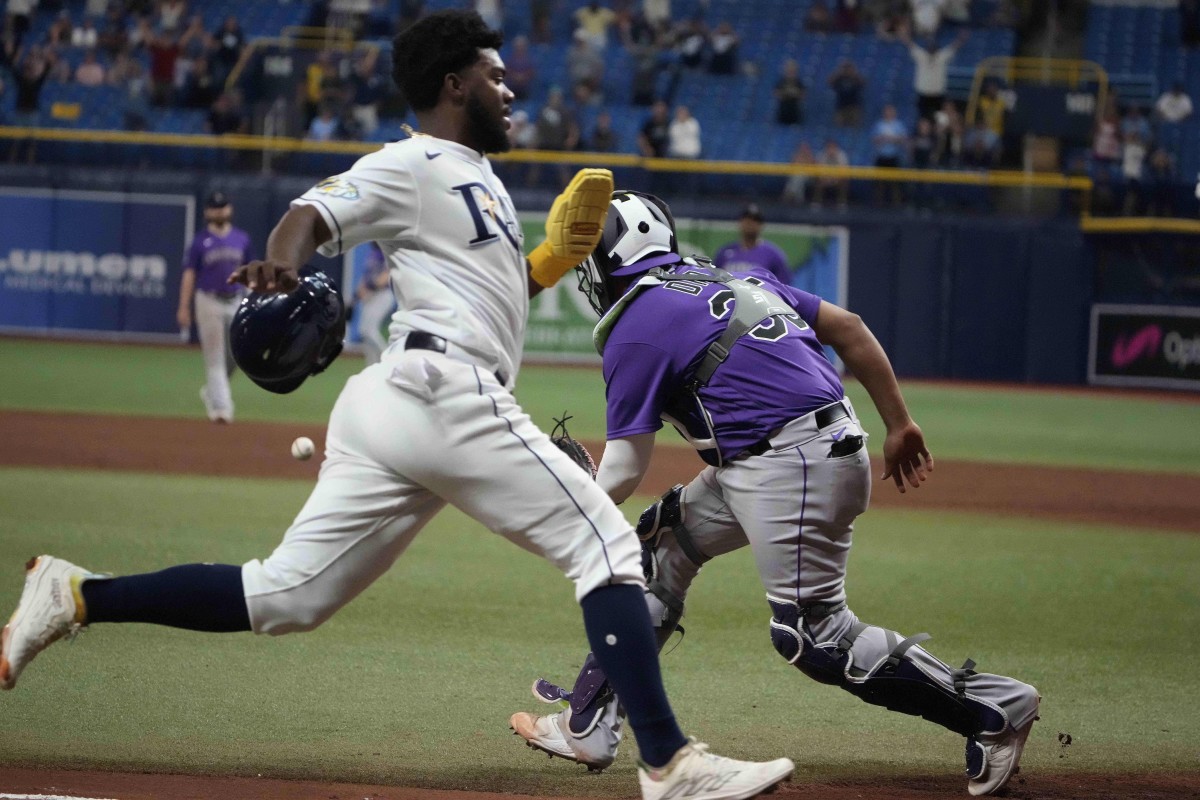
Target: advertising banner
[
  {"x": 92, "y": 263},
  {"x": 561, "y": 321},
  {"x": 1145, "y": 346}
]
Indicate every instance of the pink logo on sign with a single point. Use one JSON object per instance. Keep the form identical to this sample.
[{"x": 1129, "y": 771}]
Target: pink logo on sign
[{"x": 1128, "y": 349}]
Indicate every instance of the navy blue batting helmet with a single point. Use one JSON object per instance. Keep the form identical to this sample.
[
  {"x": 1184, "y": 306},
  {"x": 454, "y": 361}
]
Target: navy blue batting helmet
[{"x": 278, "y": 340}]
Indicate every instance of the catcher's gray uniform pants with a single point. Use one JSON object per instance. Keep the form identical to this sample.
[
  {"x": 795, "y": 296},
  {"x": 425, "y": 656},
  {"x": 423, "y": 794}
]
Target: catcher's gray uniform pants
[
  {"x": 795, "y": 506},
  {"x": 214, "y": 315}
]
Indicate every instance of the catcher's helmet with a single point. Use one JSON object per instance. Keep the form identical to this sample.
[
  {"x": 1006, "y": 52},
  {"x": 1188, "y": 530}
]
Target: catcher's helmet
[
  {"x": 638, "y": 226},
  {"x": 278, "y": 340}
]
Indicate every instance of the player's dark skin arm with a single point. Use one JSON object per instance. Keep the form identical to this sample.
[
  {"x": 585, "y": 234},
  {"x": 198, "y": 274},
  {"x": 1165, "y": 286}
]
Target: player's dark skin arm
[
  {"x": 292, "y": 243},
  {"x": 535, "y": 288},
  {"x": 904, "y": 452}
]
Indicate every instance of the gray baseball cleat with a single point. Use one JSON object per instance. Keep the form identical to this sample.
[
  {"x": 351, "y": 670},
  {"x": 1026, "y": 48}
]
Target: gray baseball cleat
[
  {"x": 50, "y": 608},
  {"x": 993, "y": 760},
  {"x": 595, "y": 747},
  {"x": 696, "y": 774}
]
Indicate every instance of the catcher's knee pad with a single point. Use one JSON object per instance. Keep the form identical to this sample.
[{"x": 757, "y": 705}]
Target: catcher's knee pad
[
  {"x": 665, "y": 515},
  {"x": 878, "y": 667}
]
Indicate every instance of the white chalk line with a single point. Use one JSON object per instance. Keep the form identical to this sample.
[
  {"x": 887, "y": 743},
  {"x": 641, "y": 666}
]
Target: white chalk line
[{"x": 48, "y": 797}]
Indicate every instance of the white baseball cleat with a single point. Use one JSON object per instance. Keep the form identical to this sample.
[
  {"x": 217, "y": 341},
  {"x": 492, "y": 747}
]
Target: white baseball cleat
[
  {"x": 596, "y": 748},
  {"x": 1001, "y": 758},
  {"x": 50, "y": 609},
  {"x": 696, "y": 774}
]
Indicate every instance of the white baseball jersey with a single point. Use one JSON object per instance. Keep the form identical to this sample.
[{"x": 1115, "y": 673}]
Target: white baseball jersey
[{"x": 450, "y": 234}]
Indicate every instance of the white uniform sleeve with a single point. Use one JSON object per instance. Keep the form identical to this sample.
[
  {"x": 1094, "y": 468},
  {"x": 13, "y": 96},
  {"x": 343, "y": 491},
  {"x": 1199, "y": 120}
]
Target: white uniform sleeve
[{"x": 368, "y": 203}]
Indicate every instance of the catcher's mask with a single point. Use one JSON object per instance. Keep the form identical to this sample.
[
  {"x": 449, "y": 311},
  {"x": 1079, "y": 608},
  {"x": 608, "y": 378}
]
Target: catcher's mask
[
  {"x": 278, "y": 340},
  {"x": 638, "y": 226}
]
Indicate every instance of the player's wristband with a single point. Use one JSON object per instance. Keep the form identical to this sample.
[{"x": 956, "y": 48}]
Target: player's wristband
[{"x": 547, "y": 268}]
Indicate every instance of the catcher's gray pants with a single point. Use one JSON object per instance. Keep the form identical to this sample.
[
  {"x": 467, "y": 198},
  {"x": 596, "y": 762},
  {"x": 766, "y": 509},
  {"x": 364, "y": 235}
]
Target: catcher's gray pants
[
  {"x": 795, "y": 506},
  {"x": 214, "y": 315}
]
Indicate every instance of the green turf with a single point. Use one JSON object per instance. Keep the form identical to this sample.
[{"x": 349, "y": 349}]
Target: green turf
[
  {"x": 414, "y": 681},
  {"x": 1003, "y": 425}
]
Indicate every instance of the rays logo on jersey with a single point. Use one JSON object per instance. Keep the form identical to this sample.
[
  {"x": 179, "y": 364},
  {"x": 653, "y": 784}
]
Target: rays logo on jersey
[
  {"x": 492, "y": 216},
  {"x": 338, "y": 187}
]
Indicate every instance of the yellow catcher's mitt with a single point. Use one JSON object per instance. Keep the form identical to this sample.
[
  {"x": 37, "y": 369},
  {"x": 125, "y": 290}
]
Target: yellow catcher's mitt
[{"x": 574, "y": 225}]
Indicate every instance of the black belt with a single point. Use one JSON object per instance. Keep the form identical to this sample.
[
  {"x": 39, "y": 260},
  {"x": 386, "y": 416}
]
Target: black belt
[
  {"x": 824, "y": 417},
  {"x": 423, "y": 340}
]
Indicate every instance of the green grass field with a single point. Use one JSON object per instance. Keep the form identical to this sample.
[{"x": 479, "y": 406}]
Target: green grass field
[{"x": 413, "y": 682}]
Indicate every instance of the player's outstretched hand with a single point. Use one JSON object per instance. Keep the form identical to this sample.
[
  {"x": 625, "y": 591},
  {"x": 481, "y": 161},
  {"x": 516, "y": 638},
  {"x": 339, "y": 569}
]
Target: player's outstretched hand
[
  {"x": 906, "y": 456},
  {"x": 267, "y": 276}
]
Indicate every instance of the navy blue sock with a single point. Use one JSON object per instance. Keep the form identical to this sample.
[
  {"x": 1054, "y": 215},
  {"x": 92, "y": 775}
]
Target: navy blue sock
[
  {"x": 198, "y": 597},
  {"x": 622, "y": 639}
]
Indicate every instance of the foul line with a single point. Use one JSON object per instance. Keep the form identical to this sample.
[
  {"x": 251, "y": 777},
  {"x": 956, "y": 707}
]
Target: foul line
[{"x": 48, "y": 797}]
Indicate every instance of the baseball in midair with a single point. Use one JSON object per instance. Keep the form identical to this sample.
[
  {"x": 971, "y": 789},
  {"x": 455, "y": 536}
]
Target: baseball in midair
[{"x": 302, "y": 448}]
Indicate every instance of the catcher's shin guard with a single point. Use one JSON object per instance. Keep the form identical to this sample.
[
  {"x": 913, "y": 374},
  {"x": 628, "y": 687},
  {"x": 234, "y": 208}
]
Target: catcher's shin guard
[{"x": 878, "y": 667}]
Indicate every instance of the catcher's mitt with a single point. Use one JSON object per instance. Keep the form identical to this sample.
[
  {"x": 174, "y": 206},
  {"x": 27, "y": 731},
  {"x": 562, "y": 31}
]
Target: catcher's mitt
[{"x": 572, "y": 447}]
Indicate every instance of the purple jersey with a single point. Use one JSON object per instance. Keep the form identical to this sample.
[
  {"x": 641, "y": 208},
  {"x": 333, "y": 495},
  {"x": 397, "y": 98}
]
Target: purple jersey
[
  {"x": 214, "y": 258},
  {"x": 660, "y": 338},
  {"x": 763, "y": 256}
]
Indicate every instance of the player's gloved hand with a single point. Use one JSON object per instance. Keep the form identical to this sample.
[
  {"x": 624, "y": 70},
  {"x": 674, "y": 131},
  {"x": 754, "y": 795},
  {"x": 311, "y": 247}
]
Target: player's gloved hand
[
  {"x": 574, "y": 226},
  {"x": 266, "y": 276}
]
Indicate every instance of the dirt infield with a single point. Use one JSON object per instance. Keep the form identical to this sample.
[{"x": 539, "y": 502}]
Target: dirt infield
[
  {"x": 1134, "y": 499},
  {"x": 1140, "y": 500}
]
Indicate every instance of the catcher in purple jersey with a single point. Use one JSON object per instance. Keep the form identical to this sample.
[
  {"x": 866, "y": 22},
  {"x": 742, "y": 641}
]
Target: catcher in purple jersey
[{"x": 734, "y": 362}]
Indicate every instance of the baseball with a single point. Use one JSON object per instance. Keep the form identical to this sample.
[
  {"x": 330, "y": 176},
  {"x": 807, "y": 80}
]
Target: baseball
[{"x": 302, "y": 448}]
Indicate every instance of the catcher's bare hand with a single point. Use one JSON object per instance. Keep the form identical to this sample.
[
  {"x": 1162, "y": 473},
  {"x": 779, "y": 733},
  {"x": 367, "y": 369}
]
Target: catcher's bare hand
[
  {"x": 905, "y": 456},
  {"x": 266, "y": 276}
]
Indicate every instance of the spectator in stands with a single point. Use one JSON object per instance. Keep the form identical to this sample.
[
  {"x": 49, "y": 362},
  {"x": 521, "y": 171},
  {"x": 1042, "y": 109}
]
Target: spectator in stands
[
  {"x": 114, "y": 31},
  {"x": 948, "y": 129},
  {"x": 492, "y": 12},
  {"x": 122, "y": 70},
  {"x": 798, "y": 187},
  {"x": 17, "y": 15},
  {"x": 90, "y": 72},
  {"x": 522, "y": 69},
  {"x": 1106, "y": 141},
  {"x": 657, "y": 12},
  {"x": 832, "y": 155},
  {"x": 32, "y": 71},
  {"x": 1135, "y": 124},
  {"x": 818, "y": 19},
  {"x": 540, "y": 12},
  {"x": 789, "y": 95},
  {"x": 226, "y": 115},
  {"x": 1133, "y": 162},
  {"x": 164, "y": 52},
  {"x": 683, "y": 135},
  {"x": 171, "y": 14},
  {"x": 991, "y": 108},
  {"x": 927, "y": 16},
  {"x": 367, "y": 87},
  {"x": 557, "y": 129},
  {"x": 136, "y": 105},
  {"x": 229, "y": 42},
  {"x": 85, "y": 35},
  {"x": 889, "y": 17},
  {"x": 324, "y": 126},
  {"x": 594, "y": 20},
  {"x": 634, "y": 29},
  {"x": 890, "y": 138},
  {"x": 10, "y": 46},
  {"x": 847, "y": 84},
  {"x": 604, "y": 137},
  {"x": 981, "y": 147},
  {"x": 924, "y": 145},
  {"x": 522, "y": 134},
  {"x": 644, "y": 87},
  {"x": 317, "y": 80},
  {"x": 58, "y": 36},
  {"x": 1160, "y": 184},
  {"x": 142, "y": 34},
  {"x": 200, "y": 88},
  {"x": 691, "y": 44},
  {"x": 929, "y": 75},
  {"x": 1189, "y": 22},
  {"x": 724, "y": 44},
  {"x": 654, "y": 137},
  {"x": 751, "y": 251},
  {"x": 1174, "y": 105},
  {"x": 585, "y": 68},
  {"x": 846, "y": 17}
]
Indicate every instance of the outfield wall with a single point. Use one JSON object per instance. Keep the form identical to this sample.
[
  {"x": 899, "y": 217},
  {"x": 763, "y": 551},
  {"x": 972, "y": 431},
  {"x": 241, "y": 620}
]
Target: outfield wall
[{"x": 949, "y": 296}]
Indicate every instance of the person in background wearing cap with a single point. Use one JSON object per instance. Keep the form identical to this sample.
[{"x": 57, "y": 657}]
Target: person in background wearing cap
[
  {"x": 752, "y": 251},
  {"x": 210, "y": 259}
]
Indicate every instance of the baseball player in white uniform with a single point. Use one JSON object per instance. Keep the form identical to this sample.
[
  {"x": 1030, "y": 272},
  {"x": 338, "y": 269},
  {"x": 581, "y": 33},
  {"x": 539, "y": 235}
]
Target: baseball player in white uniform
[
  {"x": 735, "y": 362},
  {"x": 435, "y": 422}
]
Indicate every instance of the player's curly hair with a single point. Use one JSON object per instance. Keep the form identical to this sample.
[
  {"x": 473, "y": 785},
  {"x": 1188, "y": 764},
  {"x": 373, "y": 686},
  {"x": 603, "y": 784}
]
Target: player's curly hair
[{"x": 433, "y": 47}]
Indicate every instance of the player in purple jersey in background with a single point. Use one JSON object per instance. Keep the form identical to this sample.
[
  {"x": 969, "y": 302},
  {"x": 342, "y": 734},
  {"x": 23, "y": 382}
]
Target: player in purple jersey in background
[
  {"x": 214, "y": 255},
  {"x": 734, "y": 361},
  {"x": 751, "y": 251}
]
